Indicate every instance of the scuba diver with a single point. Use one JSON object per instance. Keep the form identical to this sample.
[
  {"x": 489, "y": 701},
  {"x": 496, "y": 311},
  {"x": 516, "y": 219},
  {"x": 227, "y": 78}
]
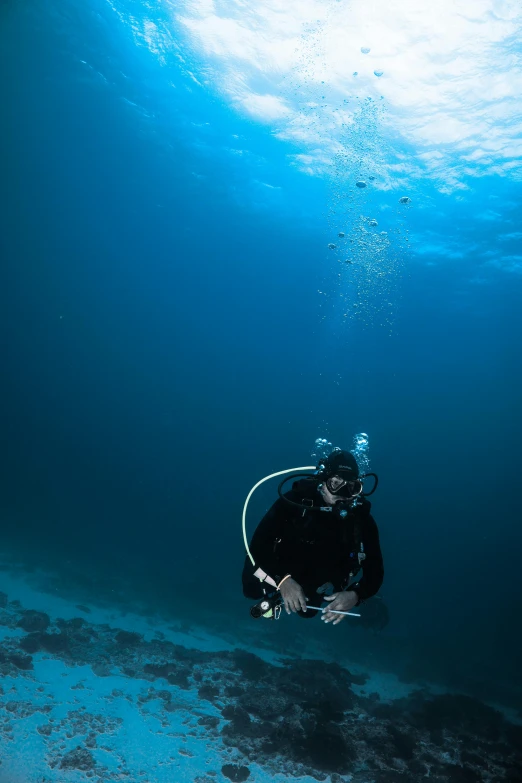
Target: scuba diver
[{"x": 312, "y": 542}]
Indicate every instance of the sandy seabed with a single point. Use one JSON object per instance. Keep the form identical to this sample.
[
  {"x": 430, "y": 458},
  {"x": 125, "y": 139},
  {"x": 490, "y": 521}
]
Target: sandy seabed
[{"x": 101, "y": 694}]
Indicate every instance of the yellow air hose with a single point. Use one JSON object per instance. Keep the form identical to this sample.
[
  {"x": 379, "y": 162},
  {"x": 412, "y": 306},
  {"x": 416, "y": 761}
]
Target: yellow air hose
[{"x": 272, "y": 475}]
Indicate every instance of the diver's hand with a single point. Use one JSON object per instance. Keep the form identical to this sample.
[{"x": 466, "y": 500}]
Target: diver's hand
[
  {"x": 293, "y": 595},
  {"x": 341, "y": 602}
]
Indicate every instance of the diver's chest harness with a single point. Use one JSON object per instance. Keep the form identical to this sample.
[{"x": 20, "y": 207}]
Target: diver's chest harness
[
  {"x": 270, "y": 605},
  {"x": 350, "y": 529}
]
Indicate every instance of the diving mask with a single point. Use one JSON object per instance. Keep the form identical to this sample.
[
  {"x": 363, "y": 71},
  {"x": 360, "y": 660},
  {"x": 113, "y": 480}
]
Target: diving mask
[{"x": 347, "y": 488}]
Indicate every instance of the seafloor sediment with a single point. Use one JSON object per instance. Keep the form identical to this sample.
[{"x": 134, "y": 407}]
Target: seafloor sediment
[{"x": 82, "y": 698}]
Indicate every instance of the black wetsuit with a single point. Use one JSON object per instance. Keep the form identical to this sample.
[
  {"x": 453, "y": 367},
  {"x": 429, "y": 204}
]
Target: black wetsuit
[{"x": 315, "y": 547}]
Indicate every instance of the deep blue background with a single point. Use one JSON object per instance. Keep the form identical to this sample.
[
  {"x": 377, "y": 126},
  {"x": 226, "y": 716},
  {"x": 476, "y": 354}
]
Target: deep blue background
[{"x": 164, "y": 347}]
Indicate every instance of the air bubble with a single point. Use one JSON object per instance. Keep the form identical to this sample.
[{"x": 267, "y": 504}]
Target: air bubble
[
  {"x": 360, "y": 450},
  {"x": 322, "y": 449}
]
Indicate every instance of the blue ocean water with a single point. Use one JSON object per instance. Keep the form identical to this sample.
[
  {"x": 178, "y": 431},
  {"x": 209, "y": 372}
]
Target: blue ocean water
[{"x": 181, "y": 315}]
